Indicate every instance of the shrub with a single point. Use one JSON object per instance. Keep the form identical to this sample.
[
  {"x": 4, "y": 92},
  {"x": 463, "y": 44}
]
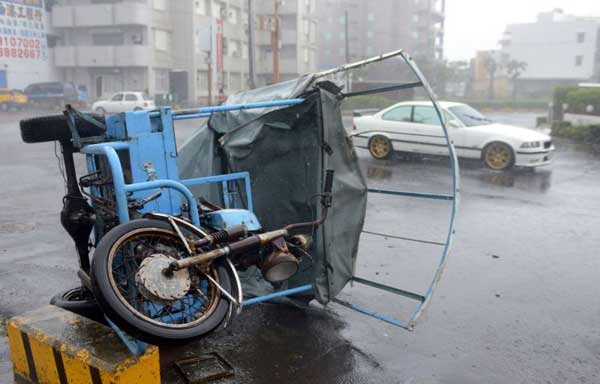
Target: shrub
[
  {"x": 589, "y": 134},
  {"x": 577, "y": 100}
]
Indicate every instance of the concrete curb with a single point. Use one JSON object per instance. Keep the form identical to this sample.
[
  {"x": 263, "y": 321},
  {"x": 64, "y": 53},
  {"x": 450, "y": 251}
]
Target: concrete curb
[{"x": 52, "y": 345}]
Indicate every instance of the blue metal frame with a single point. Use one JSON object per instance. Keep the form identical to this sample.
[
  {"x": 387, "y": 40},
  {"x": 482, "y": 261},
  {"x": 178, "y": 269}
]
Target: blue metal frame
[
  {"x": 148, "y": 140},
  {"x": 275, "y": 295},
  {"x": 453, "y": 198},
  {"x": 145, "y": 141}
]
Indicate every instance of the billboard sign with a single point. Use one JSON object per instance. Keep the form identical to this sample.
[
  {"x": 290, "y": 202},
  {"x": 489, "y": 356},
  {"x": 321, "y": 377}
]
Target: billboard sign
[{"x": 22, "y": 31}]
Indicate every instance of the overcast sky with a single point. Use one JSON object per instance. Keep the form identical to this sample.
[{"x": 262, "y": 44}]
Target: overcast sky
[{"x": 472, "y": 25}]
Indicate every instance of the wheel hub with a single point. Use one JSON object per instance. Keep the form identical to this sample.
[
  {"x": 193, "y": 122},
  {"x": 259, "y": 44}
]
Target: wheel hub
[{"x": 154, "y": 285}]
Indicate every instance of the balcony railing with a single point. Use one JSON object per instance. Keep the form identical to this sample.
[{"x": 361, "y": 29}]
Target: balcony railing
[
  {"x": 102, "y": 56},
  {"x": 99, "y": 15}
]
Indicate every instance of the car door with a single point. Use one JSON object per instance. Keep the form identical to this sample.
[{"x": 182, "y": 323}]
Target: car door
[
  {"x": 114, "y": 106},
  {"x": 130, "y": 102},
  {"x": 458, "y": 134},
  {"x": 396, "y": 124},
  {"x": 428, "y": 135}
]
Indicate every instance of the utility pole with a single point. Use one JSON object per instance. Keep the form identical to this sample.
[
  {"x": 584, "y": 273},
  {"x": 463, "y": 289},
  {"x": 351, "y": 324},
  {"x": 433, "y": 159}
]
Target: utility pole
[
  {"x": 251, "y": 48},
  {"x": 209, "y": 58},
  {"x": 347, "y": 49},
  {"x": 275, "y": 43},
  {"x": 210, "y": 86}
]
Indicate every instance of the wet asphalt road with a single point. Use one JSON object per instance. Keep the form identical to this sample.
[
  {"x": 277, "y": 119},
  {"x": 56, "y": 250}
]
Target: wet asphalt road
[{"x": 518, "y": 302}]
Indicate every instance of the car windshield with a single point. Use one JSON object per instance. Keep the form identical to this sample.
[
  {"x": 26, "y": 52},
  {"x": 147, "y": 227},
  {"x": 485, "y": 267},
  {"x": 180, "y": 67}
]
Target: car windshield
[{"x": 469, "y": 116}]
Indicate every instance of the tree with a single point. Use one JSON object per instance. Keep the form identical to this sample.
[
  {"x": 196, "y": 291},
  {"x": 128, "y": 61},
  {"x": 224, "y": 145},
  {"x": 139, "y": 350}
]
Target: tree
[
  {"x": 491, "y": 66},
  {"x": 515, "y": 68},
  {"x": 458, "y": 76}
]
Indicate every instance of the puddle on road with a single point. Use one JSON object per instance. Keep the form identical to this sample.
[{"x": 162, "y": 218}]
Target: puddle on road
[{"x": 277, "y": 343}]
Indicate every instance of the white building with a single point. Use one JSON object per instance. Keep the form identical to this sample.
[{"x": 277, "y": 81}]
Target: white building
[
  {"x": 297, "y": 38},
  {"x": 559, "y": 49},
  {"x": 166, "y": 46}
]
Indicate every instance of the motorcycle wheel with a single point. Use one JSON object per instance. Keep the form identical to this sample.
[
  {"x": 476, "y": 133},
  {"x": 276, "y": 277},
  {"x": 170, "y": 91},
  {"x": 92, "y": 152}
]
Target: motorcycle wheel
[{"x": 116, "y": 261}]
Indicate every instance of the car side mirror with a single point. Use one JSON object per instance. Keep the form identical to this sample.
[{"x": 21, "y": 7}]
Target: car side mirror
[{"x": 454, "y": 124}]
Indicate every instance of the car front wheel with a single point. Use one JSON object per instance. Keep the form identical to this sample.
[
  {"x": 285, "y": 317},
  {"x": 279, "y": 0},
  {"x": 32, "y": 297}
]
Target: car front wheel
[
  {"x": 380, "y": 147},
  {"x": 498, "y": 156},
  {"x": 101, "y": 111}
]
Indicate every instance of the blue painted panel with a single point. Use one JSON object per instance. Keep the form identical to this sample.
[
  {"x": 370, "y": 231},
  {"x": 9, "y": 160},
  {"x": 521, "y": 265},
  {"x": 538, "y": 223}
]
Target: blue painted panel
[
  {"x": 153, "y": 156},
  {"x": 229, "y": 217},
  {"x": 3, "y": 81}
]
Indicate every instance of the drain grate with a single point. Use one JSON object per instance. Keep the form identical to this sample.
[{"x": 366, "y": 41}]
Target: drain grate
[{"x": 205, "y": 368}]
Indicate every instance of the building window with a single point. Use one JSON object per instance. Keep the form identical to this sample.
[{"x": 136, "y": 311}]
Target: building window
[
  {"x": 370, "y": 34},
  {"x": 202, "y": 79},
  {"x": 306, "y": 55},
  {"x": 578, "y": 60},
  {"x": 371, "y": 16},
  {"x": 235, "y": 49},
  {"x": 327, "y": 36},
  {"x": 580, "y": 37},
  {"x": 160, "y": 5},
  {"x": 225, "y": 46},
  {"x": 233, "y": 16},
  {"x": 161, "y": 40},
  {"x": 108, "y": 39},
  {"x": 200, "y": 6}
]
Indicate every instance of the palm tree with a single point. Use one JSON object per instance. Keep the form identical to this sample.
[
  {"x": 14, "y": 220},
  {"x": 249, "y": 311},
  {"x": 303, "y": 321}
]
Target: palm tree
[
  {"x": 491, "y": 66},
  {"x": 515, "y": 68}
]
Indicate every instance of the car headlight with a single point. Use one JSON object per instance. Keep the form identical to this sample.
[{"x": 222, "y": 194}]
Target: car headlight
[{"x": 531, "y": 144}]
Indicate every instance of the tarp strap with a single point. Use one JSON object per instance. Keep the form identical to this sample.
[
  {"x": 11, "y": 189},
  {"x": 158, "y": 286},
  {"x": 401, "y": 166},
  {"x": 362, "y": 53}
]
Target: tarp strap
[{"x": 383, "y": 89}]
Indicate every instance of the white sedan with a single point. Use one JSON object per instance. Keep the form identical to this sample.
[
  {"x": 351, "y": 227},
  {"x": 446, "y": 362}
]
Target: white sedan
[
  {"x": 124, "y": 102},
  {"x": 415, "y": 127}
]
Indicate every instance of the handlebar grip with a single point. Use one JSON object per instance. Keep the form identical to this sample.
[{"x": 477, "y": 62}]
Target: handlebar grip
[{"x": 328, "y": 180}]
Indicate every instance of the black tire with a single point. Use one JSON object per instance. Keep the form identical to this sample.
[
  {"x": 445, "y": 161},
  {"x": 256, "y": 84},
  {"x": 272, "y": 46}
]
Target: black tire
[
  {"x": 55, "y": 128},
  {"x": 131, "y": 323},
  {"x": 137, "y": 109},
  {"x": 81, "y": 301},
  {"x": 380, "y": 147},
  {"x": 101, "y": 111}
]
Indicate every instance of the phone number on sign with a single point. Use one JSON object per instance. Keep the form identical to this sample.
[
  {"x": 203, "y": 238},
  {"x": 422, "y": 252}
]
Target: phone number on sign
[{"x": 20, "y": 48}]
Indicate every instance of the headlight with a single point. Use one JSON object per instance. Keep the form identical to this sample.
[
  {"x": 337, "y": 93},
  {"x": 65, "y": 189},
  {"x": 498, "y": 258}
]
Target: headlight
[{"x": 531, "y": 144}]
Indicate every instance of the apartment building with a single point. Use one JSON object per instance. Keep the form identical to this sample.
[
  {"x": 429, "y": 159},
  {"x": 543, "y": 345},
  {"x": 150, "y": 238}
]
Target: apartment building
[
  {"x": 377, "y": 27},
  {"x": 210, "y": 47},
  {"x": 181, "y": 47},
  {"x": 111, "y": 46},
  {"x": 559, "y": 49}
]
